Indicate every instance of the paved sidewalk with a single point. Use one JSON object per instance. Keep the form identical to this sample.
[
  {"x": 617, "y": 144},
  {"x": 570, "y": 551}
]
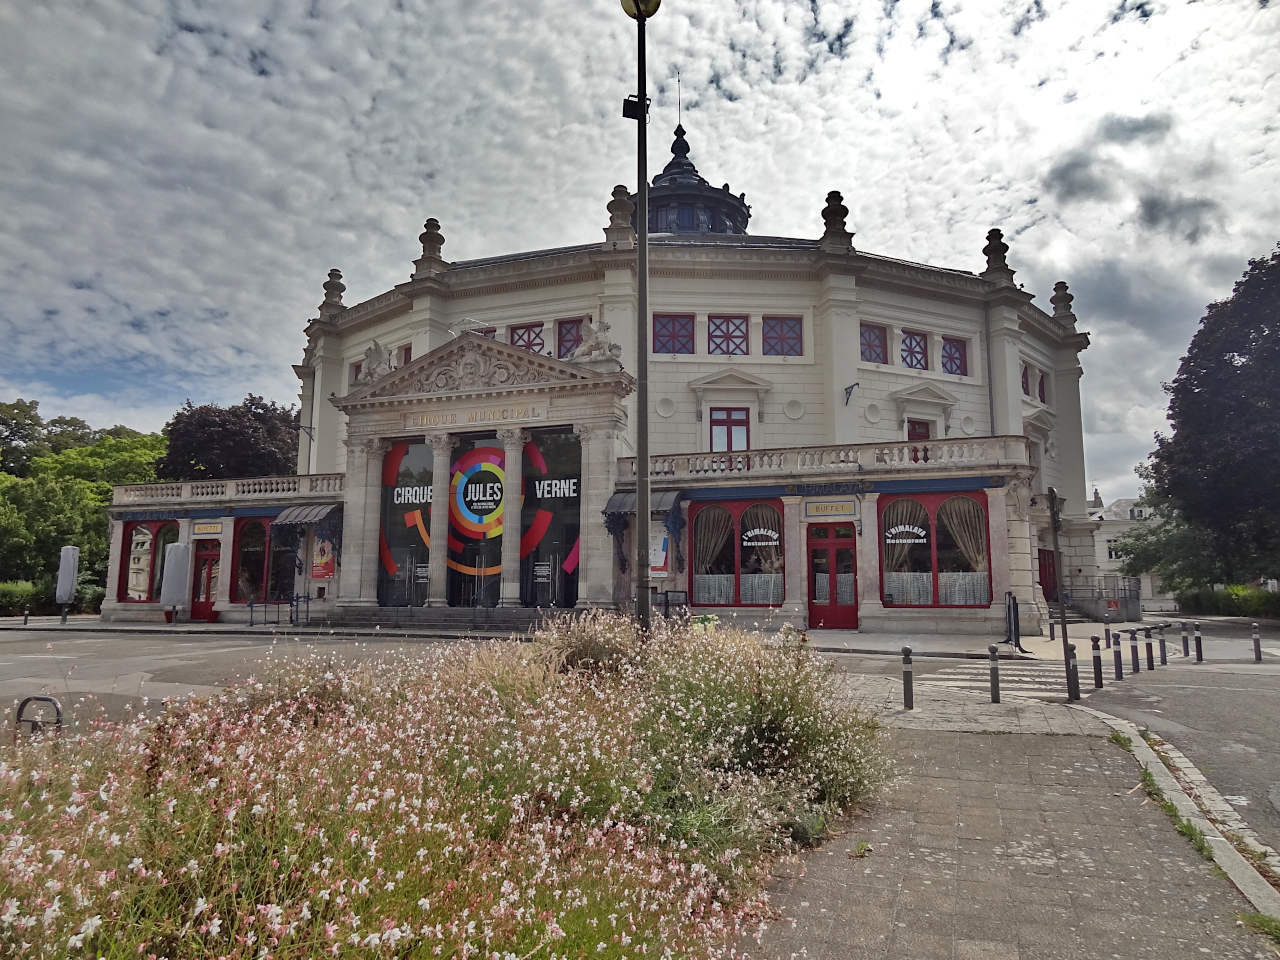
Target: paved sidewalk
[{"x": 1030, "y": 847}]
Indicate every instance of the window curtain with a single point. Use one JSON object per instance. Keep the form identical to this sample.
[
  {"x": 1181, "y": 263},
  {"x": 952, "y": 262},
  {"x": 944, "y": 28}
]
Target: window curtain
[
  {"x": 711, "y": 530},
  {"x": 763, "y": 516},
  {"x": 899, "y": 511},
  {"x": 760, "y": 576},
  {"x": 966, "y": 523}
]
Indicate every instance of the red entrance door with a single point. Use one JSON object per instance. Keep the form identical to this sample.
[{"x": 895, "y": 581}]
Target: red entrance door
[
  {"x": 1048, "y": 576},
  {"x": 204, "y": 587},
  {"x": 833, "y": 585}
]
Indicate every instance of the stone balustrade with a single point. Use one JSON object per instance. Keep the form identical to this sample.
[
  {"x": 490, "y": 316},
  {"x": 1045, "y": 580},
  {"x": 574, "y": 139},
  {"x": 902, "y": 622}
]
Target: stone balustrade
[
  {"x": 945, "y": 457},
  {"x": 302, "y": 489}
]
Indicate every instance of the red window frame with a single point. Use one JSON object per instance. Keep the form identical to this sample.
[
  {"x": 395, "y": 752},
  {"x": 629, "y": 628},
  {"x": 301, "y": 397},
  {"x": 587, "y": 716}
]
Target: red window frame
[
  {"x": 736, "y": 509},
  {"x": 404, "y": 354},
  {"x": 353, "y": 372},
  {"x": 873, "y": 341},
  {"x": 728, "y": 336},
  {"x": 782, "y": 337},
  {"x": 1040, "y": 389},
  {"x": 242, "y": 523},
  {"x": 955, "y": 356},
  {"x": 914, "y": 350},
  {"x": 931, "y": 503},
  {"x": 153, "y": 588},
  {"x": 673, "y": 333},
  {"x": 726, "y": 418},
  {"x": 568, "y": 336},
  {"x": 918, "y": 431},
  {"x": 527, "y": 336}
]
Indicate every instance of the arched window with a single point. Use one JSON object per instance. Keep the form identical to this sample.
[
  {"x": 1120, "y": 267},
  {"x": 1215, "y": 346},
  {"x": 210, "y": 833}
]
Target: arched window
[
  {"x": 144, "y": 545},
  {"x": 251, "y": 562},
  {"x": 935, "y": 550},
  {"x": 737, "y": 554},
  {"x": 166, "y": 535}
]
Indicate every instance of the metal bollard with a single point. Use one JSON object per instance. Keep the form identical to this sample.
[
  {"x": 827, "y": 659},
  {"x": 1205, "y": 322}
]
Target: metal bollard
[
  {"x": 1073, "y": 677},
  {"x": 1106, "y": 622},
  {"x": 1097, "y": 663},
  {"x": 25, "y": 615},
  {"x": 1186, "y": 650},
  {"x": 995, "y": 673},
  {"x": 1164, "y": 651},
  {"x": 1257, "y": 645},
  {"x": 1199, "y": 645},
  {"x": 1053, "y": 636},
  {"x": 1108, "y": 635},
  {"x": 1115, "y": 652},
  {"x": 1133, "y": 652},
  {"x": 1151, "y": 658},
  {"x": 908, "y": 698}
]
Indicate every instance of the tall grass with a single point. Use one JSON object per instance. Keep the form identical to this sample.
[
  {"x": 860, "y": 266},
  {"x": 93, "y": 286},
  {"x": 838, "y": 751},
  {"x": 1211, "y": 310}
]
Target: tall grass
[{"x": 573, "y": 797}]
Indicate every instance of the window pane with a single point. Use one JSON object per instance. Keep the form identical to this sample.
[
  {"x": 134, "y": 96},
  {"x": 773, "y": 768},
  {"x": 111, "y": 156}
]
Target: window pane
[
  {"x": 1040, "y": 390},
  {"x": 962, "y": 553},
  {"x": 760, "y": 577},
  {"x": 906, "y": 557},
  {"x": 714, "y": 551},
  {"x": 955, "y": 357},
  {"x": 844, "y": 576},
  {"x": 820, "y": 570},
  {"x": 528, "y": 336},
  {"x": 739, "y": 439},
  {"x": 284, "y": 555},
  {"x": 874, "y": 341},
  {"x": 818, "y": 533},
  {"x": 727, "y": 336},
  {"x": 915, "y": 350},
  {"x": 568, "y": 337},
  {"x": 251, "y": 554},
  {"x": 672, "y": 334},
  {"x": 719, "y": 438},
  {"x": 139, "y": 579},
  {"x": 782, "y": 337},
  {"x": 730, "y": 429},
  {"x": 1026, "y": 381}
]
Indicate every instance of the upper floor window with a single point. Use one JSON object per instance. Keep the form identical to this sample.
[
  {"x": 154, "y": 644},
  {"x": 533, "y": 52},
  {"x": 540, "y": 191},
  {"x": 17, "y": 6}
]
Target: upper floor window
[
  {"x": 1111, "y": 550},
  {"x": 915, "y": 350},
  {"x": 353, "y": 372},
  {"x": 874, "y": 341},
  {"x": 727, "y": 336},
  {"x": 1026, "y": 380},
  {"x": 568, "y": 337},
  {"x": 782, "y": 337},
  {"x": 918, "y": 430},
  {"x": 1040, "y": 390},
  {"x": 730, "y": 429},
  {"x": 529, "y": 336},
  {"x": 672, "y": 333},
  {"x": 955, "y": 356},
  {"x": 404, "y": 353}
]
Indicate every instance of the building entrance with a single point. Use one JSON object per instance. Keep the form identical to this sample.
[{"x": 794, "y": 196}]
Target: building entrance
[
  {"x": 833, "y": 588},
  {"x": 204, "y": 585}
]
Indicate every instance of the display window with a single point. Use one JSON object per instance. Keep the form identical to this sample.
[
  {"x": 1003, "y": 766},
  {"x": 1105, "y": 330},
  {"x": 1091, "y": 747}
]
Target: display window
[
  {"x": 143, "y": 566},
  {"x": 737, "y": 553},
  {"x": 265, "y": 561},
  {"x": 935, "y": 550},
  {"x": 404, "y": 541}
]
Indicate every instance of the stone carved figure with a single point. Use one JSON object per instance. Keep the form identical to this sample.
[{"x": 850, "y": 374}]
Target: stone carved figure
[
  {"x": 377, "y": 363},
  {"x": 596, "y": 344}
]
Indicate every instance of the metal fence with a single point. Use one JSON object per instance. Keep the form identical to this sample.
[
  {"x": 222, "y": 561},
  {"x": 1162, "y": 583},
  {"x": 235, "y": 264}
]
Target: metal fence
[{"x": 1103, "y": 595}]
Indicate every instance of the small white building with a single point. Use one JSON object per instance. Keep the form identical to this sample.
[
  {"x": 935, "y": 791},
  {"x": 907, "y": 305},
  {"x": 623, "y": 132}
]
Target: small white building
[
  {"x": 838, "y": 437},
  {"x": 1115, "y": 520}
]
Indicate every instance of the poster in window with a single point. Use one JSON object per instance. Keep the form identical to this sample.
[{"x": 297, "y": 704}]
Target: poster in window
[
  {"x": 323, "y": 563},
  {"x": 659, "y": 558}
]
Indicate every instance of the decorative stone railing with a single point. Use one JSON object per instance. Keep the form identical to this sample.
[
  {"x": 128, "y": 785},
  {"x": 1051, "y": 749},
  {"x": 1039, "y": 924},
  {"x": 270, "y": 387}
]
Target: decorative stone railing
[
  {"x": 301, "y": 489},
  {"x": 844, "y": 461}
]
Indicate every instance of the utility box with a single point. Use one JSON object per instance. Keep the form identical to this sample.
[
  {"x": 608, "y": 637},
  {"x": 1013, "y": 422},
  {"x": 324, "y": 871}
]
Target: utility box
[{"x": 68, "y": 574}]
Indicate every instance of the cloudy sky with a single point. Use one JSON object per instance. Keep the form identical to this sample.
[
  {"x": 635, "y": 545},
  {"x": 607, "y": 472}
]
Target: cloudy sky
[{"x": 177, "y": 176}]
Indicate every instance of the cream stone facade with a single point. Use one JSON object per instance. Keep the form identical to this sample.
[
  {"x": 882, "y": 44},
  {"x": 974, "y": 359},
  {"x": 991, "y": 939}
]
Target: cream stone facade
[{"x": 808, "y": 399}]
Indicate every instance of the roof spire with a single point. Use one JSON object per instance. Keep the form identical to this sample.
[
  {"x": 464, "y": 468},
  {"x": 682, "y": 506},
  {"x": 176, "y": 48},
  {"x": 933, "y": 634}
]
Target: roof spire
[
  {"x": 997, "y": 267},
  {"x": 333, "y": 290}
]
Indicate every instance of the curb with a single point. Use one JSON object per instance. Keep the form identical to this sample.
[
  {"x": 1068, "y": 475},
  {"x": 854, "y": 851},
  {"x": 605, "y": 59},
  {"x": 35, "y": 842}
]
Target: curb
[
  {"x": 1264, "y": 897},
  {"x": 918, "y": 653}
]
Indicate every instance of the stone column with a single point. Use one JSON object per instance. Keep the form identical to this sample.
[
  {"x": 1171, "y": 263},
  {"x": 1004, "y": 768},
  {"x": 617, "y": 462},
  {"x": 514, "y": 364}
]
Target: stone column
[
  {"x": 184, "y": 536},
  {"x": 362, "y": 500},
  {"x": 869, "y": 601},
  {"x": 110, "y": 602},
  {"x": 1021, "y": 553},
  {"x": 370, "y": 559},
  {"x": 795, "y": 562},
  {"x": 512, "y": 499},
  {"x": 438, "y": 551},
  {"x": 595, "y": 550},
  {"x": 226, "y": 546}
]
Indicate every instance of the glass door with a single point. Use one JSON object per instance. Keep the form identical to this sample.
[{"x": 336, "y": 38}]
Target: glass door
[
  {"x": 833, "y": 590},
  {"x": 204, "y": 585}
]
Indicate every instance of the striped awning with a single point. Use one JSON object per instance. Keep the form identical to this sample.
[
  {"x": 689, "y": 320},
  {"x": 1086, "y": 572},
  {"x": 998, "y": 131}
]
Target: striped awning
[
  {"x": 660, "y": 501},
  {"x": 304, "y": 513}
]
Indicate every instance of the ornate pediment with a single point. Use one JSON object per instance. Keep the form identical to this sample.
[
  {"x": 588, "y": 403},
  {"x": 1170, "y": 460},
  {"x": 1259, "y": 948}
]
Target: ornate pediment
[{"x": 472, "y": 364}]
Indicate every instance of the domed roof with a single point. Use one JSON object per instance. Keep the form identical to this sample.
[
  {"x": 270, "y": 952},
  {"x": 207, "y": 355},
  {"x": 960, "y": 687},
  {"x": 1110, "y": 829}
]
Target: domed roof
[{"x": 682, "y": 202}]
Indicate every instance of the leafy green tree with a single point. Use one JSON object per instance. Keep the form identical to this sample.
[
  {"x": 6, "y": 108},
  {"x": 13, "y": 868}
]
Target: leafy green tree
[
  {"x": 21, "y": 435},
  {"x": 52, "y": 512},
  {"x": 1217, "y": 471},
  {"x": 255, "y": 438},
  {"x": 110, "y": 460}
]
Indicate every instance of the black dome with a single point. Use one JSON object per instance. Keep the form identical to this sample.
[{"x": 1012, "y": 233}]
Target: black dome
[{"x": 681, "y": 201}]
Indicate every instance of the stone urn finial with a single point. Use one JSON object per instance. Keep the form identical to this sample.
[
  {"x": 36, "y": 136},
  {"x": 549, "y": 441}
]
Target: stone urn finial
[
  {"x": 836, "y": 237},
  {"x": 333, "y": 290},
  {"x": 432, "y": 240},
  {"x": 1061, "y": 300},
  {"x": 619, "y": 234},
  {"x": 995, "y": 250}
]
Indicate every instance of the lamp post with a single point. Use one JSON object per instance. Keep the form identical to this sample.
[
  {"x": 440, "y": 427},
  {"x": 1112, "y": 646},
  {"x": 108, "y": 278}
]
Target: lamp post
[
  {"x": 640, "y": 11},
  {"x": 1055, "y": 524}
]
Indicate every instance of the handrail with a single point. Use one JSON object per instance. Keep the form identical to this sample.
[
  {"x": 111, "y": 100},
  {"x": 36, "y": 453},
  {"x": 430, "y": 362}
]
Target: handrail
[{"x": 301, "y": 487}]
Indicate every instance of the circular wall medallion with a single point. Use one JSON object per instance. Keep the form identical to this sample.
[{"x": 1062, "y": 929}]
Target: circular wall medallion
[
  {"x": 872, "y": 413},
  {"x": 665, "y": 407},
  {"x": 794, "y": 409},
  {"x": 967, "y": 426}
]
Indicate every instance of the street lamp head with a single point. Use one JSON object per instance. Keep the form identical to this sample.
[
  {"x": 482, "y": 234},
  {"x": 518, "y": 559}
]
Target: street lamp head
[{"x": 636, "y": 9}]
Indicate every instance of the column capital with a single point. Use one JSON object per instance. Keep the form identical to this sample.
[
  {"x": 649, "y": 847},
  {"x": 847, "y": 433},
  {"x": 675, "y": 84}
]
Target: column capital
[
  {"x": 440, "y": 443},
  {"x": 513, "y": 437},
  {"x": 369, "y": 446}
]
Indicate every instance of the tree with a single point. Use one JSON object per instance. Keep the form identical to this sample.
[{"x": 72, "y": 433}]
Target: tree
[
  {"x": 1217, "y": 471},
  {"x": 53, "y": 512},
  {"x": 21, "y": 435},
  {"x": 255, "y": 438},
  {"x": 111, "y": 460}
]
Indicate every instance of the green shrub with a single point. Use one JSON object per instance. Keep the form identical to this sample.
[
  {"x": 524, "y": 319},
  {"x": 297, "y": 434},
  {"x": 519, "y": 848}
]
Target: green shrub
[
  {"x": 1234, "y": 601},
  {"x": 16, "y": 596}
]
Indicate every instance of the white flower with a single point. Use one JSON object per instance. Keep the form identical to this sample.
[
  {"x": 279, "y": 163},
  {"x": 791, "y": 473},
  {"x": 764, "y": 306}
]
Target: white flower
[
  {"x": 214, "y": 926},
  {"x": 57, "y": 855},
  {"x": 10, "y": 911},
  {"x": 201, "y": 907},
  {"x": 424, "y": 904}
]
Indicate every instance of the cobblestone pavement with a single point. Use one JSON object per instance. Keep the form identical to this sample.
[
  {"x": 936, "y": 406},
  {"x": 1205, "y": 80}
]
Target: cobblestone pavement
[{"x": 1026, "y": 847}]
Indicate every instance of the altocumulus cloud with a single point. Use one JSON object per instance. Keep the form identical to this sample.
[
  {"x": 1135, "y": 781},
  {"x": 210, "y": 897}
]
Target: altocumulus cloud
[{"x": 179, "y": 175}]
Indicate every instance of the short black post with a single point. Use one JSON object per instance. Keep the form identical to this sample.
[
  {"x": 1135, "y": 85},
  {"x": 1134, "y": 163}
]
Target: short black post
[
  {"x": 1164, "y": 651},
  {"x": 995, "y": 673},
  {"x": 1115, "y": 652},
  {"x": 25, "y": 614},
  {"x": 1097, "y": 663},
  {"x": 1108, "y": 636},
  {"x": 1257, "y": 645},
  {"x": 65, "y": 608},
  {"x": 1052, "y": 631},
  {"x": 1133, "y": 651},
  {"x": 1199, "y": 645},
  {"x": 1186, "y": 650},
  {"x": 908, "y": 699},
  {"x": 1073, "y": 677},
  {"x": 1151, "y": 657}
]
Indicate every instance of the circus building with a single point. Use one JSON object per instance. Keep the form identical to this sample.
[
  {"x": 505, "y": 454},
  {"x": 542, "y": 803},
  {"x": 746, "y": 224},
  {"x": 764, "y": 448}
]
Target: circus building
[{"x": 838, "y": 439}]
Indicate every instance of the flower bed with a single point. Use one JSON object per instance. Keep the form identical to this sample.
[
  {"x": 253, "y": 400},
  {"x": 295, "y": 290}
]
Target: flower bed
[{"x": 582, "y": 796}]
